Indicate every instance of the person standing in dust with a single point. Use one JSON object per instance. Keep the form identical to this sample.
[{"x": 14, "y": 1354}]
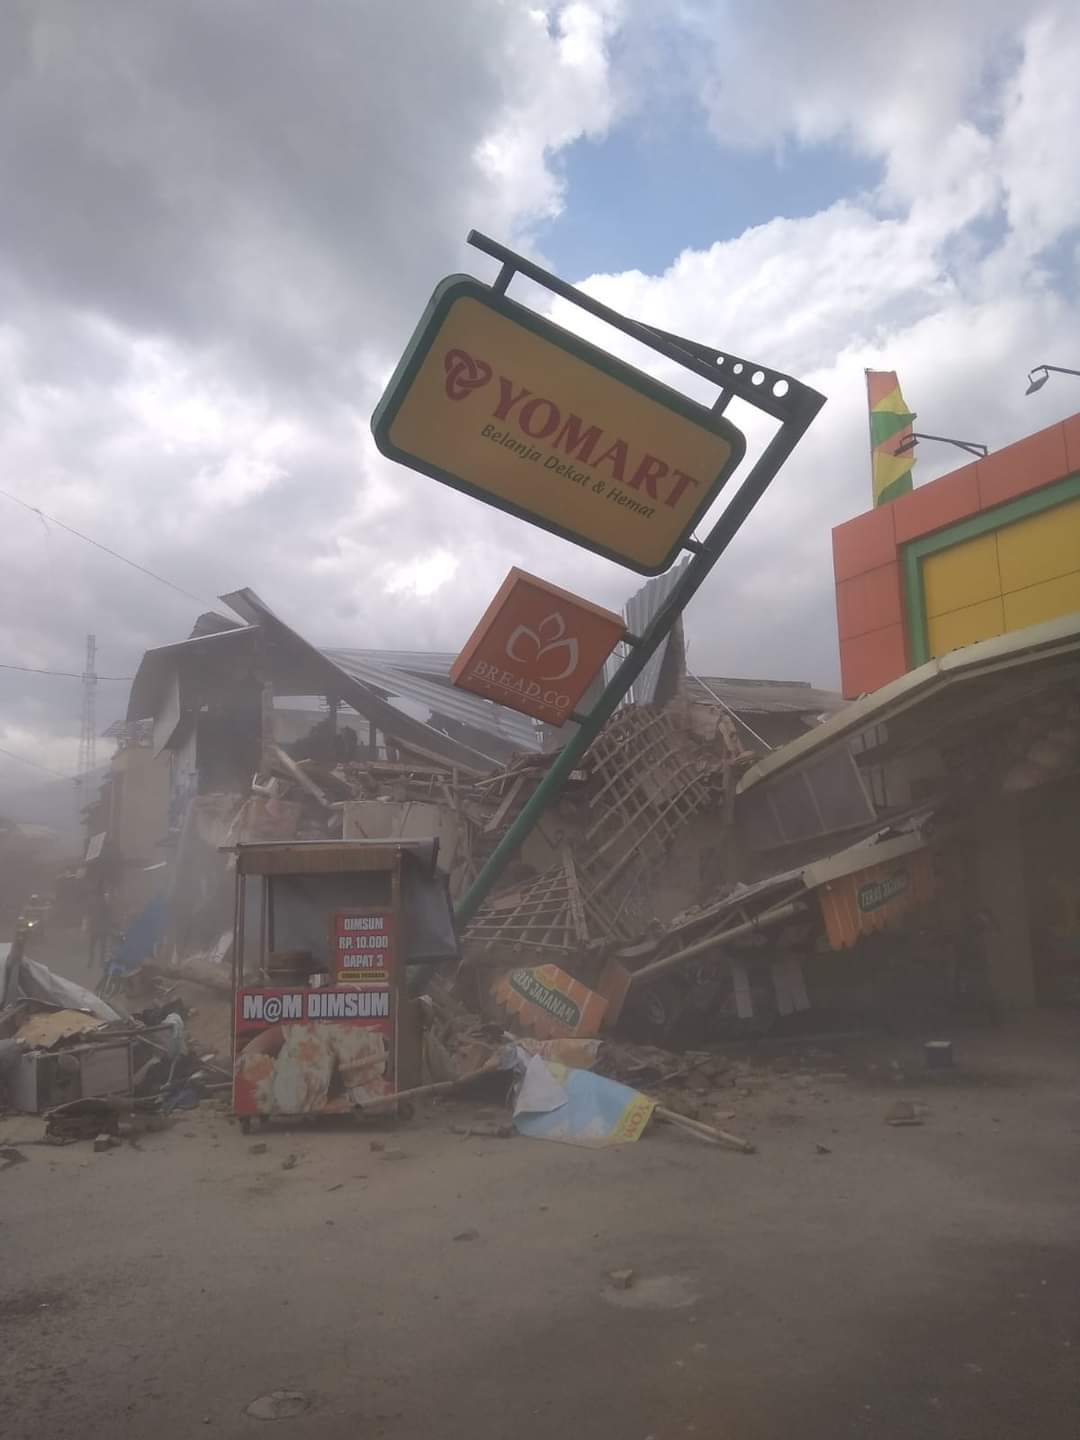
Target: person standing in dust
[{"x": 99, "y": 926}]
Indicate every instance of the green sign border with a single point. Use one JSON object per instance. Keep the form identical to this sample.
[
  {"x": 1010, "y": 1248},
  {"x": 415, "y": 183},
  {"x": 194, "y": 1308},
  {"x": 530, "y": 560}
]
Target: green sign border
[
  {"x": 459, "y": 287},
  {"x": 970, "y": 528}
]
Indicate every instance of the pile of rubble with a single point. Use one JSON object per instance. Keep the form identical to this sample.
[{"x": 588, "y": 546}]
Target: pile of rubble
[
  {"x": 67, "y": 1053},
  {"x": 601, "y": 867}
]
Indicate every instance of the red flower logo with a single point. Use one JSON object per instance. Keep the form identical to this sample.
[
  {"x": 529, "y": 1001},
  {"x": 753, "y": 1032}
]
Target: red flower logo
[{"x": 464, "y": 374}]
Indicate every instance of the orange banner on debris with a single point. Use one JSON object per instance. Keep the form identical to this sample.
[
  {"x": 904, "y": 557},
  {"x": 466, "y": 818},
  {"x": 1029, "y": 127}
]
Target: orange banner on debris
[
  {"x": 875, "y": 898},
  {"x": 549, "y": 1003}
]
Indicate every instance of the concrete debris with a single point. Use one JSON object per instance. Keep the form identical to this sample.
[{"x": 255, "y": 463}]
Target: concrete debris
[
  {"x": 56, "y": 1051},
  {"x": 290, "y": 1162},
  {"x": 621, "y": 1279},
  {"x": 589, "y": 878},
  {"x": 279, "y": 1405},
  {"x": 470, "y": 1234},
  {"x": 905, "y": 1112},
  {"x": 10, "y": 1156},
  {"x": 709, "y": 1133},
  {"x": 47, "y": 1029},
  {"x": 84, "y": 1119},
  {"x": 105, "y": 1142}
]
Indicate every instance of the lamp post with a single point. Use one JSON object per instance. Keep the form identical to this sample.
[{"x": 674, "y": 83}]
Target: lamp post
[
  {"x": 973, "y": 447},
  {"x": 1038, "y": 377}
]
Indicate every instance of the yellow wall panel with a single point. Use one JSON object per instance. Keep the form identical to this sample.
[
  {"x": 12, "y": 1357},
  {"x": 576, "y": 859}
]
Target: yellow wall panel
[
  {"x": 1042, "y": 602},
  {"x": 961, "y": 576},
  {"x": 1040, "y": 548},
  {"x": 965, "y": 626}
]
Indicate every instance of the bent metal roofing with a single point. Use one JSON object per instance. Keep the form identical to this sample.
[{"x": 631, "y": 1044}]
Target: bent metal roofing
[
  {"x": 1007, "y": 662},
  {"x": 406, "y": 676},
  {"x": 414, "y": 685},
  {"x": 764, "y": 697}
]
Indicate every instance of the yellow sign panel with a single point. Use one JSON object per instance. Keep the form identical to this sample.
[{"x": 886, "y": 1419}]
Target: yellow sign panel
[
  {"x": 500, "y": 403},
  {"x": 1018, "y": 575}
]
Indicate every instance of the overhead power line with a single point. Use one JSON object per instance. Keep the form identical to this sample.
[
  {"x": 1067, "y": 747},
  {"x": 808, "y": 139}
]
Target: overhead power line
[
  {"x": 25, "y": 760},
  {"x": 65, "y": 674},
  {"x": 43, "y": 515}
]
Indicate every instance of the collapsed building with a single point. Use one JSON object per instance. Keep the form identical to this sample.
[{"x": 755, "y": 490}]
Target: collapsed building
[
  {"x": 730, "y": 855},
  {"x": 246, "y": 731}
]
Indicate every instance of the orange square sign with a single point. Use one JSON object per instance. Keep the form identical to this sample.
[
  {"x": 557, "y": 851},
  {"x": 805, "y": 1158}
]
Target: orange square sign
[{"x": 537, "y": 648}]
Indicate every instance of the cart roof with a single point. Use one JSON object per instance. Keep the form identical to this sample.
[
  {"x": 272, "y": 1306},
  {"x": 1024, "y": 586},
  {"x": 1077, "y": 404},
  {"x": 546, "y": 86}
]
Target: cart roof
[{"x": 331, "y": 857}]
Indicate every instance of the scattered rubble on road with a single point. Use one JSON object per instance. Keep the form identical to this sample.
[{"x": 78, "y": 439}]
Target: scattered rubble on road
[
  {"x": 627, "y": 880},
  {"x": 62, "y": 1044},
  {"x": 905, "y": 1112},
  {"x": 279, "y": 1405}
]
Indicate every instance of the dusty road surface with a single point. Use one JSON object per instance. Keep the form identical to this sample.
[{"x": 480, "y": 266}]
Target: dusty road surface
[{"x": 915, "y": 1281}]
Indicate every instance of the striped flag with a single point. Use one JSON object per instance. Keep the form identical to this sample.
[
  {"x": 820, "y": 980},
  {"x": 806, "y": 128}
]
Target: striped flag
[{"x": 890, "y": 425}]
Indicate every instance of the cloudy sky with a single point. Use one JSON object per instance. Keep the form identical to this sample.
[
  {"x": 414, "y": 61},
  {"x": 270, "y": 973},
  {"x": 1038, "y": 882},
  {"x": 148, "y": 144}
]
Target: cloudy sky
[{"x": 220, "y": 220}]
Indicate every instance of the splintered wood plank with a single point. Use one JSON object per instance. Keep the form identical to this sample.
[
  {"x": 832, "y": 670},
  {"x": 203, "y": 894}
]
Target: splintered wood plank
[
  {"x": 496, "y": 821},
  {"x": 577, "y": 907}
]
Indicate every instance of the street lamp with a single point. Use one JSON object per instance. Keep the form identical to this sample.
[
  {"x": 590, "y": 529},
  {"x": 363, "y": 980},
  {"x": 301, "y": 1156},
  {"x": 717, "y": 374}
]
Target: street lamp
[
  {"x": 971, "y": 446},
  {"x": 1038, "y": 377}
]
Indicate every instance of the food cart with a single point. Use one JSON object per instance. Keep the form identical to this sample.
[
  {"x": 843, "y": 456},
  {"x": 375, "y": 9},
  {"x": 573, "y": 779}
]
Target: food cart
[{"x": 325, "y": 935}]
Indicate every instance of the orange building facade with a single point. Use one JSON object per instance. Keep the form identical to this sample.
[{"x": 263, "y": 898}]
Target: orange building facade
[{"x": 989, "y": 548}]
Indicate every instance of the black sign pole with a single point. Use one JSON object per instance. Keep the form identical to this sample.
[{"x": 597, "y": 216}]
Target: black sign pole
[{"x": 792, "y": 403}]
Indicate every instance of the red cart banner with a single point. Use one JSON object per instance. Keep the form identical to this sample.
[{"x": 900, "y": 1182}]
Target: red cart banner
[
  {"x": 362, "y": 945},
  {"x": 304, "y": 1052}
]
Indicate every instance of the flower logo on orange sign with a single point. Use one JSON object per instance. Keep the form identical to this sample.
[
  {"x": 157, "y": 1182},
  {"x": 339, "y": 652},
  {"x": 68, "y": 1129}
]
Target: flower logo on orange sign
[{"x": 553, "y": 626}]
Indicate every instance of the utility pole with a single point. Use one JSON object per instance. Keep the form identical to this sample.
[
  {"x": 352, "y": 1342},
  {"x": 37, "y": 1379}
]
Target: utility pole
[{"x": 88, "y": 735}]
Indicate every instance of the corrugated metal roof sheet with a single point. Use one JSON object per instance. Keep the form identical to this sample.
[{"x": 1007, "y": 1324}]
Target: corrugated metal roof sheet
[
  {"x": 640, "y": 610},
  {"x": 407, "y": 685},
  {"x": 765, "y": 697},
  {"x": 399, "y": 674},
  {"x": 1051, "y": 640},
  {"x": 435, "y": 663},
  {"x": 409, "y": 715},
  {"x": 159, "y": 664}
]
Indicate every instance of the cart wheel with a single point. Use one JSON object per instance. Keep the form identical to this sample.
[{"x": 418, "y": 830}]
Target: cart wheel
[{"x": 245, "y": 1124}]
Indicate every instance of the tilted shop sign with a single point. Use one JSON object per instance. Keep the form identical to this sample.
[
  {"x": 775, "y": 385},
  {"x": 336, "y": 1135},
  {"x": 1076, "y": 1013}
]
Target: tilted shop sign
[
  {"x": 500, "y": 403},
  {"x": 537, "y": 648}
]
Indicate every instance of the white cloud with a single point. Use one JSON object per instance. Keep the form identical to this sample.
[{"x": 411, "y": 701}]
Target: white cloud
[
  {"x": 219, "y": 233},
  {"x": 1038, "y": 134},
  {"x": 925, "y": 276},
  {"x": 562, "y": 91},
  {"x": 423, "y": 577}
]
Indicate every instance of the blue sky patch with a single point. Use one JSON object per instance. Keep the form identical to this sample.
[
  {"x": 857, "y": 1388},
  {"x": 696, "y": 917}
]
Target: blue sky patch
[{"x": 637, "y": 198}]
